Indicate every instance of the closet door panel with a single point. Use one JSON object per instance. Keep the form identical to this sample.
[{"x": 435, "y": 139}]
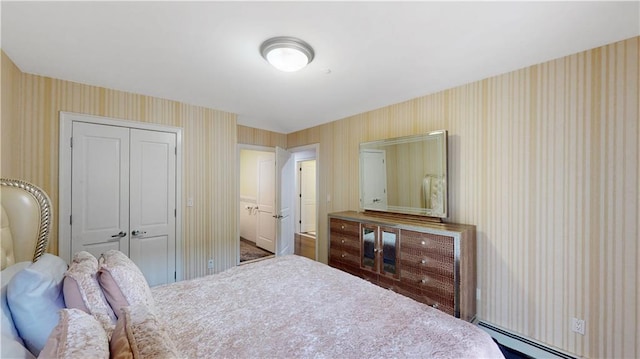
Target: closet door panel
[
  {"x": 153, "y": 162},
  {"x": 100, "y": 188}
]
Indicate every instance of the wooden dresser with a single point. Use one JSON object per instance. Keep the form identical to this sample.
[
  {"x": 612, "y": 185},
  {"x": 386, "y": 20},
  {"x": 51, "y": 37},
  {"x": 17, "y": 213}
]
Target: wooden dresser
[{"x": 433, "y": 263}]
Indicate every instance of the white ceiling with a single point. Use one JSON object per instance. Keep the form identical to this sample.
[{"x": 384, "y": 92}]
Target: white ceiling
[{"x": 368, "y": 54}]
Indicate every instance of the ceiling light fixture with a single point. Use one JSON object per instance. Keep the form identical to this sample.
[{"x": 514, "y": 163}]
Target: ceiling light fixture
[{"x": 287, "y": 53}]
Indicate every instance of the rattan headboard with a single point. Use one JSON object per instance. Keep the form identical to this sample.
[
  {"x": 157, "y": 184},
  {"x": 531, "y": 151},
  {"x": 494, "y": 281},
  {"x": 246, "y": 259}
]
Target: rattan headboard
[{"x": 26, "y": 218}]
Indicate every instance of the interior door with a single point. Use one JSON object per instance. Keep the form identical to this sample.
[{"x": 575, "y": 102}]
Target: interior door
[
  {"x": 374, "y": 174},
  {"x": 152, "y": 201},
  {"x": 266, "y": 197},
  {"x": 123, "y": 192},
  {"x": 285, "y": 171},
  {"x": 100, "y": 189},
  {"x": 308, "y": 196}
]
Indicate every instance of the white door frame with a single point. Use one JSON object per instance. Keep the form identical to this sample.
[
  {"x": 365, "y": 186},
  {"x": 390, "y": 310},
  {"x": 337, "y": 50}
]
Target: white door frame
[
  {"x": 64, "y": 179},
  {"x": 316, "y": 148}
]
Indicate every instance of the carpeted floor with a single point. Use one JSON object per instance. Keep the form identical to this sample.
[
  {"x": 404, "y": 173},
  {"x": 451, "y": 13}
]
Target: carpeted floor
[{"x": 249, "y": 251}]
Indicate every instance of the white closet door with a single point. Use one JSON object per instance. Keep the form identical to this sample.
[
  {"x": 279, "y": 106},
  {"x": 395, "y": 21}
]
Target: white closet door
[
  {"x": 153, "y": 186},
  {"x": 100, "y": 189}
]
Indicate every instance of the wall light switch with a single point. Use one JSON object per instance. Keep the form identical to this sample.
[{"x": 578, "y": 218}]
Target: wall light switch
[{"x": 190, "y": 202}]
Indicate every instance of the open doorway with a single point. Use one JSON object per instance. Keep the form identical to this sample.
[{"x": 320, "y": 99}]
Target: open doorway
[
  {"x": 306, "y": 209},
  {"x": 273, "y": 220},
  {"x": 257, "y": 198}
]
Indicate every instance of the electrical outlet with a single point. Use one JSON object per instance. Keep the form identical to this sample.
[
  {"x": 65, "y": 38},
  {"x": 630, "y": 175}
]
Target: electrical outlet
[
  {"x": 210, "y": 264},
  {"x": 577, "y": 325},
  {"x": 190, "y": 202}
]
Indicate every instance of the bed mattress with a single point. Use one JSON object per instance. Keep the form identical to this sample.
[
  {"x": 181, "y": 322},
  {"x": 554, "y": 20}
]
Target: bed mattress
[{"x": 290, "y": 306}]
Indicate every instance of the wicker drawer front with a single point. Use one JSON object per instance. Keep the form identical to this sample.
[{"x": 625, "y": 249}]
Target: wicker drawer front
[
  {"x": 430, "y": 284},
  {"x": 433, "y": 245},
  {"x": 428, "y": 263},
  {"x": 444, "y": 304},
  {"x": 427, "y": 253},
  {"x": 344, "y": 255}
]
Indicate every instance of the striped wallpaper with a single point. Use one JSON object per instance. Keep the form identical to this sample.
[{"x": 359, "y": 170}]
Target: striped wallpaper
[
  {"x": 29, "y": 135},
  {"x": 258, "y": 137},
  {"x": 545, "y": 162}
]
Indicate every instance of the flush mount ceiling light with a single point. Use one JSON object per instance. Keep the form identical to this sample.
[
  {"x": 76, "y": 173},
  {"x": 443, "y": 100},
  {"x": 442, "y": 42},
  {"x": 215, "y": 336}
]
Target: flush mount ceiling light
[{"x": 287, "y": 53}]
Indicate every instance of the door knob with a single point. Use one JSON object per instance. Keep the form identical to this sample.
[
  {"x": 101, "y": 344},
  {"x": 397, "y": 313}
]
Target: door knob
[
  {"x": 137, "y": 233},
  {"x": 119, "y": 235}
]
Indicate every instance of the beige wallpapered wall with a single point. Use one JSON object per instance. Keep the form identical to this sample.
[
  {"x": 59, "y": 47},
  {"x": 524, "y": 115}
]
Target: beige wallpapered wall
[
  {"x": 258, "y": 137},
  {"x": 30, "y": 131},
  {"x": 544, "y": 161}
]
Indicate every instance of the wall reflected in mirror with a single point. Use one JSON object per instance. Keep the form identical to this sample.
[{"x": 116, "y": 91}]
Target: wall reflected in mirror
[{"x": 405, "y": 175}]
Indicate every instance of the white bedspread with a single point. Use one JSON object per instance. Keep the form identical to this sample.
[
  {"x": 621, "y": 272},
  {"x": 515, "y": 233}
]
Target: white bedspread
[{"x": 292, "y": 307}]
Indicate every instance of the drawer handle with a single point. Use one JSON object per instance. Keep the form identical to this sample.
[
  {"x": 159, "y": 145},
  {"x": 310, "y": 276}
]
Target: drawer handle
[
  {"x": 342, "y": 241},
  {"x": 435, "y": 305},
  {"x": 424, "y": 280},
  {"x": 342, "y": 226},
  {"x": 423, "y": 243},
  {"x": 343, "y": 255},
  {"x": 423, "y": 261}
]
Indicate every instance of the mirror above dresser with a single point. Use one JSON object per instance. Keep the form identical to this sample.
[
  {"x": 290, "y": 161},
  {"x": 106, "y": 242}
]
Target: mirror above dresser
[{"x": 405, "y": 175}]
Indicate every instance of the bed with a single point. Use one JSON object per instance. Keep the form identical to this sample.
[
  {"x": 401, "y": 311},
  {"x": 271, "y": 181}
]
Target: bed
[{"x": 282, "y": 307}]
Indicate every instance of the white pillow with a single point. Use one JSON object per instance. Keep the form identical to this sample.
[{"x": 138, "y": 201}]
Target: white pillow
[{"x": 35, "y": 297}]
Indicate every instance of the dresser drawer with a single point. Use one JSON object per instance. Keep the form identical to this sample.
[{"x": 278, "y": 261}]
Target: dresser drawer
[
  {"x": 344, "y": 234},
  {"x": 433, "y": 284},
  {"x": 345, "y": 227},
  {"x": 341, "y": 241},
  {"x": 344, "y": 255},
  {"x": 427, "y": 263},
  {"x": 445, "y": 304},
  {"x": 427, "y": 253},
  {"x": 427, "y": 243}
]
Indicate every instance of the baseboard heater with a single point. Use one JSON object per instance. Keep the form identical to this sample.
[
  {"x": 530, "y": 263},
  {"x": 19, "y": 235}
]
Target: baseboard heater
[{"x": 522, "y": 344}]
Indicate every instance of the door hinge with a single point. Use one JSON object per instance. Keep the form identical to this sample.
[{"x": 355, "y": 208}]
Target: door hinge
[
  {"x": 300, "y": 222},
  {"x": 71, "y": 142},
  {"x": 175, "y": 276},
  {"x": 175, "y": 212},
  {"x": 176, "y": 150},
  {"x": 70, "y": 220},
  {"x": 300, "y": 169},
  {"x": 300, "y": 195}
]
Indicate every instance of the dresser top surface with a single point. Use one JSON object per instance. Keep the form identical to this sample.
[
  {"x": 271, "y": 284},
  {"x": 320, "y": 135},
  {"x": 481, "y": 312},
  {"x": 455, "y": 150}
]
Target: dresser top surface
[{"x": 394, "y": 220}]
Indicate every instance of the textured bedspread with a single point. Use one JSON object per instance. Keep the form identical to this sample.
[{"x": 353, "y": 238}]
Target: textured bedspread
[{"x": 292, "y": 307}]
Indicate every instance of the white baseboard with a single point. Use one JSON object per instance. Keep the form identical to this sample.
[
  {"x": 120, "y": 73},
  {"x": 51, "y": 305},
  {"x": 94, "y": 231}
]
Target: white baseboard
[{"x": 524, "y": 345}]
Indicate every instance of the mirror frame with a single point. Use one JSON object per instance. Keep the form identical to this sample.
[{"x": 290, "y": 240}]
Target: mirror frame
[{"x": 441, "y": 185}]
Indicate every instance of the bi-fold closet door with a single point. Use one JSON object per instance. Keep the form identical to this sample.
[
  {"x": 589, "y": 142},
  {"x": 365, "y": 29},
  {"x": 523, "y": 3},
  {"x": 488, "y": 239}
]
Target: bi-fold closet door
[{"x": 123, "y": 196}]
